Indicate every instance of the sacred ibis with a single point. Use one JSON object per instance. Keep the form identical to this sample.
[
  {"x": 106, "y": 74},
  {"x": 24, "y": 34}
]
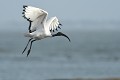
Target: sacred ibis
[{"x": 39, "y": 26}]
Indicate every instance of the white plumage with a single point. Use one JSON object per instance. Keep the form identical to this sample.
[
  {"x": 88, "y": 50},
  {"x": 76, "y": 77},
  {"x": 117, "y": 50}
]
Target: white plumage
[{"x": 40, "y": 27}]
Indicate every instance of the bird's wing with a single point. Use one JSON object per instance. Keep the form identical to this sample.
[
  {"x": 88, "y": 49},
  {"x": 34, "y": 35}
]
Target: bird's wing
[
  {"x": 54, "y": 24},
  {"x": 35, "y": 16}
]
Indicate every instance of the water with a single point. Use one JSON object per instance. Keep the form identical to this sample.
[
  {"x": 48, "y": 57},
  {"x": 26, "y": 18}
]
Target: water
[{"x": 93, "y": 53}]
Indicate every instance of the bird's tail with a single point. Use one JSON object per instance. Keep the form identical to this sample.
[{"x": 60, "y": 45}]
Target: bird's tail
[{"x": 27, "y": 34}]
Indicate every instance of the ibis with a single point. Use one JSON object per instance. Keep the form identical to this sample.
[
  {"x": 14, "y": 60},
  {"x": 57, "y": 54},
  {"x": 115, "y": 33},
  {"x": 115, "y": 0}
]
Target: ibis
[{"x": 39, "y": 27}]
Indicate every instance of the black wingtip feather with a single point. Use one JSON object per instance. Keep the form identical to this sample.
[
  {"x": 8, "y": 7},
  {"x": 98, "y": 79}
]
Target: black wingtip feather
[
  {"x": 53, "y": 31},
  {"x": 59, "y": 27},
  {"x": 56, "y": 29},
  {"x": 24, "y": 16},
  {"x": 23, "y": 12},
  {"x": 25, "y": 6},
  {"x": 23, "y": 9},
  {"x": 60, "y": 24}
]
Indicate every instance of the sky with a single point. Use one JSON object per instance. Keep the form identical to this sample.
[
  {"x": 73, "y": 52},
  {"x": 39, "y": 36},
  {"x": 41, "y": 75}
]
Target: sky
[{"x": 64, "y": 9}]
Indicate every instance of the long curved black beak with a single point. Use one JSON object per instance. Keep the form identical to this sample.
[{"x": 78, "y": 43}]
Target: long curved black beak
[{"x": 61, "y": 34}]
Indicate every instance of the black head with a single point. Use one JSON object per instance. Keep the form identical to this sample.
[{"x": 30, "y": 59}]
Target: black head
[{"x": 61, "y": 34}]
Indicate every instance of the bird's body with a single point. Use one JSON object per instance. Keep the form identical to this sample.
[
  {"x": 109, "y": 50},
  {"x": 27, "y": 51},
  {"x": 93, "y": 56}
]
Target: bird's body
[
  {"x": 38, "y": 35},
  {"x": 40, "y": 27}
]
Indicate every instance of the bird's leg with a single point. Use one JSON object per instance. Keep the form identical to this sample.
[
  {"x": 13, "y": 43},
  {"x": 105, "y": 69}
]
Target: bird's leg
[
  {"x": 26, "y": 45},
  {"x": 30, "y": 47}
]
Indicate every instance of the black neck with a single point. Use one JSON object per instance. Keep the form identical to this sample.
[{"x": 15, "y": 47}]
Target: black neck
[{"x": 61, "y": 34}]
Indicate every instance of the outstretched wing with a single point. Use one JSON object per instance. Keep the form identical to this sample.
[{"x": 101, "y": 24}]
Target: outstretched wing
[
  {"x": 35, "y": 16},
  {"x": 54, "y": 24}
]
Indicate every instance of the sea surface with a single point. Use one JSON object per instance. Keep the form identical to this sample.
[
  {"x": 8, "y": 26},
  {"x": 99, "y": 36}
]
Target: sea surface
[{"x": 94, "y": 52}]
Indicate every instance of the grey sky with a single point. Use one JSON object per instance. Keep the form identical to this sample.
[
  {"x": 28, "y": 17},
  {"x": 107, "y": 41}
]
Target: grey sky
[{"x": 64, "y": 9}]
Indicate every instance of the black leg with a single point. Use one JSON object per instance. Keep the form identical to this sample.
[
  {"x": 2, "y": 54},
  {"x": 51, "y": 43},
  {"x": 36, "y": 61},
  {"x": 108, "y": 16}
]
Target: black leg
[
  {"x": 26, "y": 45},
  {"x": 30, "y": 47}
]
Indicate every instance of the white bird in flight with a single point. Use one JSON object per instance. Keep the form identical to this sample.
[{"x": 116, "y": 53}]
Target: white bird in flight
[{"x": 40, "y": 27}]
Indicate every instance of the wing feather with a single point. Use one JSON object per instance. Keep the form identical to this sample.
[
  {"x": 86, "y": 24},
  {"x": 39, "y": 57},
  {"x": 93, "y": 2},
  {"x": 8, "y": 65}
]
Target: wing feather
[
  {"x": 53, "y": 24},
  {"x": 35, "y": 16}
]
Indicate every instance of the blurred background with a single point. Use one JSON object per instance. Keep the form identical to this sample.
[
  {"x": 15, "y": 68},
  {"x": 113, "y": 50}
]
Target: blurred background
[{"x": 94, "y": 52}]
